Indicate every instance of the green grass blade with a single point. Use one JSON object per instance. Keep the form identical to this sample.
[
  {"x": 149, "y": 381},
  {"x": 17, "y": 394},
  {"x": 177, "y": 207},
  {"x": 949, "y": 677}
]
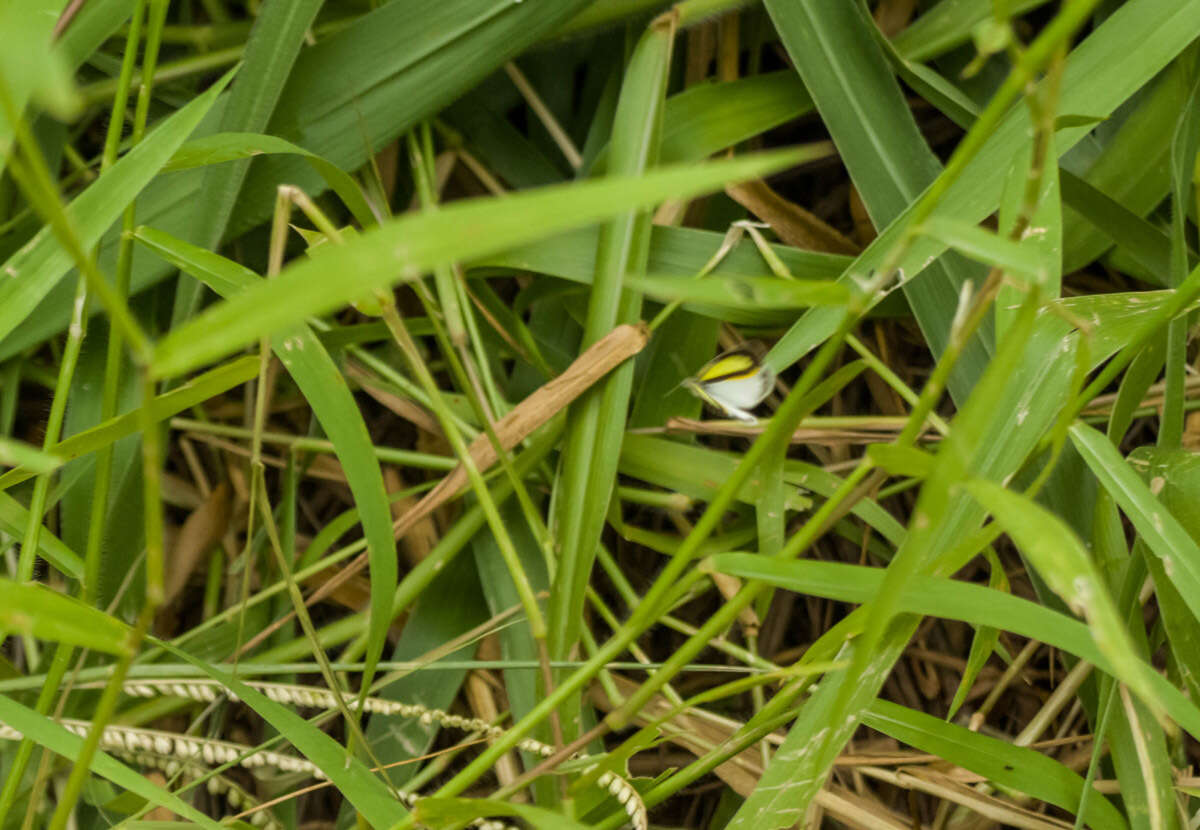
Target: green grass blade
[
  {"x": 35, "y": 610},
  {"x": 201, "y": 388},
  {"x": 596, "y": 422},
  {"x": 1062, "y": 561},
  {"x": 1158, "y": 528},
  {"x": 681, "y": 252},
  {"x": 1009, "y": 408},
  {"x": 49, "y": 734},
  {"x": 1142, "y": 240},
  {"x": 31, "y": 69},
  {"x": 234, "y": 146},
  {"x": 877, "y": 137},
  {"x": 986, "y": 246},
  {"x": 15, "y": 453},
  {"x": 1014, "y": 768},
  {"x": 743, "y": 293},
  {"x": 947, "y": 25},
  {"x": 1145, "y": 135},
  {"x": 402, "y": 248},
  {"x": 359, "y": 89},
  {"x": 353, "y": 779},
  {"x": 325, "y": 389},
  {"x": 39, "y": 265},
  {"x": 448, "y": 812},
  {"x": 707, "y": 118},
  {"x": 270, "y": 53},
  {"x": 949, "y": 599},
  {"x": 14, "y": 518},
  {"x": 1101, "y": 73}
]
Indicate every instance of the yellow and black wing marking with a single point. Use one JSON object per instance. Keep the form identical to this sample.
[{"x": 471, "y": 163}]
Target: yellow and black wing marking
[
  {"x": 733, "y": 383},
  {"x": 737, "y": 364}
]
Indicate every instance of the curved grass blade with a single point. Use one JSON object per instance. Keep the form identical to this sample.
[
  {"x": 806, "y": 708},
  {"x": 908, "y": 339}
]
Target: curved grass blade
[
  {"x": 226, "y": 147},
  {"x": 325, "y": 389},
  {"x": 1158, "y": 528},
  {"x": 1012, "y": 767},
  {"x": 1062, "y": 561},
  {"x": 952, "y": 600}
]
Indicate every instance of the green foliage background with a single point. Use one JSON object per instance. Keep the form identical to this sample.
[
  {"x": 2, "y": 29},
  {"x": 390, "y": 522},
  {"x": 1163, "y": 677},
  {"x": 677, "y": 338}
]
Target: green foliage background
[{"x": 205, "y": 417}]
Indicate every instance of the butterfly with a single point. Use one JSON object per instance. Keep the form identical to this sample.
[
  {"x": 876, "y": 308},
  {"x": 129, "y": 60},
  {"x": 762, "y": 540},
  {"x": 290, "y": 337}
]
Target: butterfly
[{"x": 733, "y": 383}]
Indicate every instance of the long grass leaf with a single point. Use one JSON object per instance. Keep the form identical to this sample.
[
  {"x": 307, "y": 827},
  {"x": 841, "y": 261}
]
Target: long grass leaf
[
  {"x": 325, "y": 389},
  {"x": 402, "y": 248}
]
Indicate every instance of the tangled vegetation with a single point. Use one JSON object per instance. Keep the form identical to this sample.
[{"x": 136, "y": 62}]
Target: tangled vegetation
[{"x": 368, "y": 456}]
